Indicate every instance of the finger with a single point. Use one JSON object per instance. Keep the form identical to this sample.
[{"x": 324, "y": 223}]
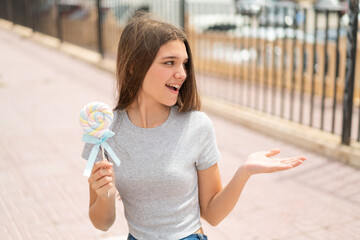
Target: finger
[
  {"x": 101, "y": 183},
  {"x": 104, "y": 190},
  {"x": 297, "y": 163},
  {"x": 101, "y": 164},
  {"x": 292, "y": 159},
  {"x": 288, "y": 160},
  {"x": 102, "y": 172},
  {"x": 272, "y": 152},
  {"x": 107, "y": 188},
  {"x": 290, "y": 165}
]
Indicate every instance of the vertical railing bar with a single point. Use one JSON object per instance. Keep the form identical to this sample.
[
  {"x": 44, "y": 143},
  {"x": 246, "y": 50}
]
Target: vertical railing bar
[
  {"x": 242, "y": 97},
  {"x": 182, "y": 14},
  {"x": 336, "y": 72},
  {"x": 4, "y": 14},
  {"x": 273, "y": 80},
  {"x": 293, "y": 68},
  {"x": 73, "y": 31},
  {"x": 239, "y": 74},
  {"x": 232, "y": 75},
  {"x": 265, "y": 63},
  {"x": 200, "y": 47},
  {"x": 350, "y": 71},
  {"x": 205, "y": 40},
  {"x": 9, "y": 11},
  {"x": 58, "y": 21},
  {"x": 3, "y": 4},
  {"x": 303, "y": 68},
  {"x": 221, "y": 74},
  {"x": 284, "y": 66},
  {"x": 314, "y": 70},
  {"x": 243, "y": 71},
  {"x": 237, "y": 70},
  {"x": 256, "y": 65},
  {"x": 214, "y": 88},
  {"x": 254, "y": 61},
  {"x": 91, "y": 34},
  {"x": 82, "y": 21},
  {"x": 248, "y": 63},
  {"x": 325, "y": 70},
  {"x": 213, "y": 55},
  {"x": 36, "y": 22},
  {"x": 14, "y": 17},
  {"x": 99, "y": 29},
  {"x": 232, "y": 69},
  {"x": 213, "y": 67},
  {"x": 32, "y": 24},
  {"x": 28, "y": 13},
  {"x": 200, "y": 42}
]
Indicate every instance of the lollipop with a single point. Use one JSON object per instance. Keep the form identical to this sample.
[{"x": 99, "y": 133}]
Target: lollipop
[{"x": 96, "y": 119}]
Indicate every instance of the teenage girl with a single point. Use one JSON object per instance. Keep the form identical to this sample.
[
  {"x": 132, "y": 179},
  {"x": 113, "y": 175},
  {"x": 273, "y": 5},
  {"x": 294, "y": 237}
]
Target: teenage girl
[{"x": 168, "y": 177}]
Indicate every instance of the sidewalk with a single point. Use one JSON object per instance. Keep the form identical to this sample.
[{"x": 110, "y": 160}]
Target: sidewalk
[{"x": 43, "y": 194}]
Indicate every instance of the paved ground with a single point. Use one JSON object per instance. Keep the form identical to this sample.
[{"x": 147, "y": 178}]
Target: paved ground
[{"x": 43, "y": 194}]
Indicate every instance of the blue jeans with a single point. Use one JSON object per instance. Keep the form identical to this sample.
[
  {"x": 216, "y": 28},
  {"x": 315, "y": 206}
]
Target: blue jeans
[{"x": 196, "y": 236}]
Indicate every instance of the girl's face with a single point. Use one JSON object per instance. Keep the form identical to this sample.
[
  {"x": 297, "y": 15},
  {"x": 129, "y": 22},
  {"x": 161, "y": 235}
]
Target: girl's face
[{"x": 165, "y": 76}]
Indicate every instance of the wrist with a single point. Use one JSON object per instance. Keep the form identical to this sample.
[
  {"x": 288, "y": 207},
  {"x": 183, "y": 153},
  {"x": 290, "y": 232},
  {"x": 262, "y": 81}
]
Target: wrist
[
  {"x": 244, "y": 172},
  {"x": 105, "y": 199}
]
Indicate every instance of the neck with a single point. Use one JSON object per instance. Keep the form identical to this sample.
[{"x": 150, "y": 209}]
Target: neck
[{"x": 146, "y": 115}]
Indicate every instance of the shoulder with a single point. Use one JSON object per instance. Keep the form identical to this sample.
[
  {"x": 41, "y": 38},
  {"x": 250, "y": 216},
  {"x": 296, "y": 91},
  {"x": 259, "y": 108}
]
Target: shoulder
[
  {"x": 200, "y": 118},
  {"x": 118, "y": 113},
  {"x": 195, "y": 119},
  {"x": 118, "y": 119}
]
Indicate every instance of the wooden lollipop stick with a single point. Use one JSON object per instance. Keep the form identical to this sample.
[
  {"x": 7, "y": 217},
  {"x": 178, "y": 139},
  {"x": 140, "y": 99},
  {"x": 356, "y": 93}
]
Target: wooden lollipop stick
[
  {"x": 103, "y": 156},
  {"x": 103, "y": 153}
]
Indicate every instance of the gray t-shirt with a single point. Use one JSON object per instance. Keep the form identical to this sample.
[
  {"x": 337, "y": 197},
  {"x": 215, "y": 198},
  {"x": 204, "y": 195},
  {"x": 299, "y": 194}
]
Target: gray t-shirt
[{"x": 157, "y": 177}]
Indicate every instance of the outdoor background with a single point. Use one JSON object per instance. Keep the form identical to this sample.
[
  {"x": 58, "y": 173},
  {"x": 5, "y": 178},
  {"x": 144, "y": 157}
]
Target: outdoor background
[{"x": 287, "y": 71}]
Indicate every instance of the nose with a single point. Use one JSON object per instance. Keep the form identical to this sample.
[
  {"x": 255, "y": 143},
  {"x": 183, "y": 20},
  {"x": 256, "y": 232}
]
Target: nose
[{"x": 180, "y": 73}]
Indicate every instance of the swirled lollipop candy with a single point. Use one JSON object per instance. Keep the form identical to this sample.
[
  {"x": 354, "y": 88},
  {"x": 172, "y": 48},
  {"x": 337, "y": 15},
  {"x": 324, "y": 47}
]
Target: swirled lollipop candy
[{"x": 96, "y": 119}]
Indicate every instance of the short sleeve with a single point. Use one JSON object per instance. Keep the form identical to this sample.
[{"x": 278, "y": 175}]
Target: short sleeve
[{"x": 209, "y": 153}]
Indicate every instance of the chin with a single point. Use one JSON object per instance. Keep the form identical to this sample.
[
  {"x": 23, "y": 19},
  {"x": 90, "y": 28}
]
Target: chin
[{"x": 170, "y": 104}]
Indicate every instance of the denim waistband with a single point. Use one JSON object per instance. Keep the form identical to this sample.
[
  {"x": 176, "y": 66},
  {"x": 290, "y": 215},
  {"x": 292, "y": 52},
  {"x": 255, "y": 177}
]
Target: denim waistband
[{"x": 196, "y": 236}]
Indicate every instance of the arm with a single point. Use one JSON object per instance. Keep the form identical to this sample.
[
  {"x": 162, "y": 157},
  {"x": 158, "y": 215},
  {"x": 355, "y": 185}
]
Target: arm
[
  {"x": 217, "y": 202},
  {"x": 102, "y": 207}
]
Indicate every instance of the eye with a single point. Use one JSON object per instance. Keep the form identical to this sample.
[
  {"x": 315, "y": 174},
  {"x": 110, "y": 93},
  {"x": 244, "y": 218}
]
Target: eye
[{"x": 169, "y": 63}]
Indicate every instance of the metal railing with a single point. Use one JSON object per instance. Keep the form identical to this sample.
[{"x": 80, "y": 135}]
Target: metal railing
[{"x": 292, "y": 61}]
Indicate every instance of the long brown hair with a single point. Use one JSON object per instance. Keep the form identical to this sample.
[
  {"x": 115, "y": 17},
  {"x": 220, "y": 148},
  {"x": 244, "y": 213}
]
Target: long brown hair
[{"x": 139, "y": 44}]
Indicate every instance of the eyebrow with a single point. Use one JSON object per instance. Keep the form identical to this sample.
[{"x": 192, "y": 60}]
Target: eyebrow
[{"x": 173, "y": 57}]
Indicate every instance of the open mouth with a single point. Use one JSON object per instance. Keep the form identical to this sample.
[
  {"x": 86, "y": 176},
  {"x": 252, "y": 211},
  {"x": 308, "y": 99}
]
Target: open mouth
[{"x": 173, "y": 87}]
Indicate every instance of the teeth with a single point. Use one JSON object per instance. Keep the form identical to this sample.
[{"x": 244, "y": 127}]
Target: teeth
[{"x": 173, "y": 85}]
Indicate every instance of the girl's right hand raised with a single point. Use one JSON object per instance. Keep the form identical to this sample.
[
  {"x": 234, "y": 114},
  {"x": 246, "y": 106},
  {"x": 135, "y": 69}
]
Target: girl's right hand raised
[{"x": 102, "y": 179}]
